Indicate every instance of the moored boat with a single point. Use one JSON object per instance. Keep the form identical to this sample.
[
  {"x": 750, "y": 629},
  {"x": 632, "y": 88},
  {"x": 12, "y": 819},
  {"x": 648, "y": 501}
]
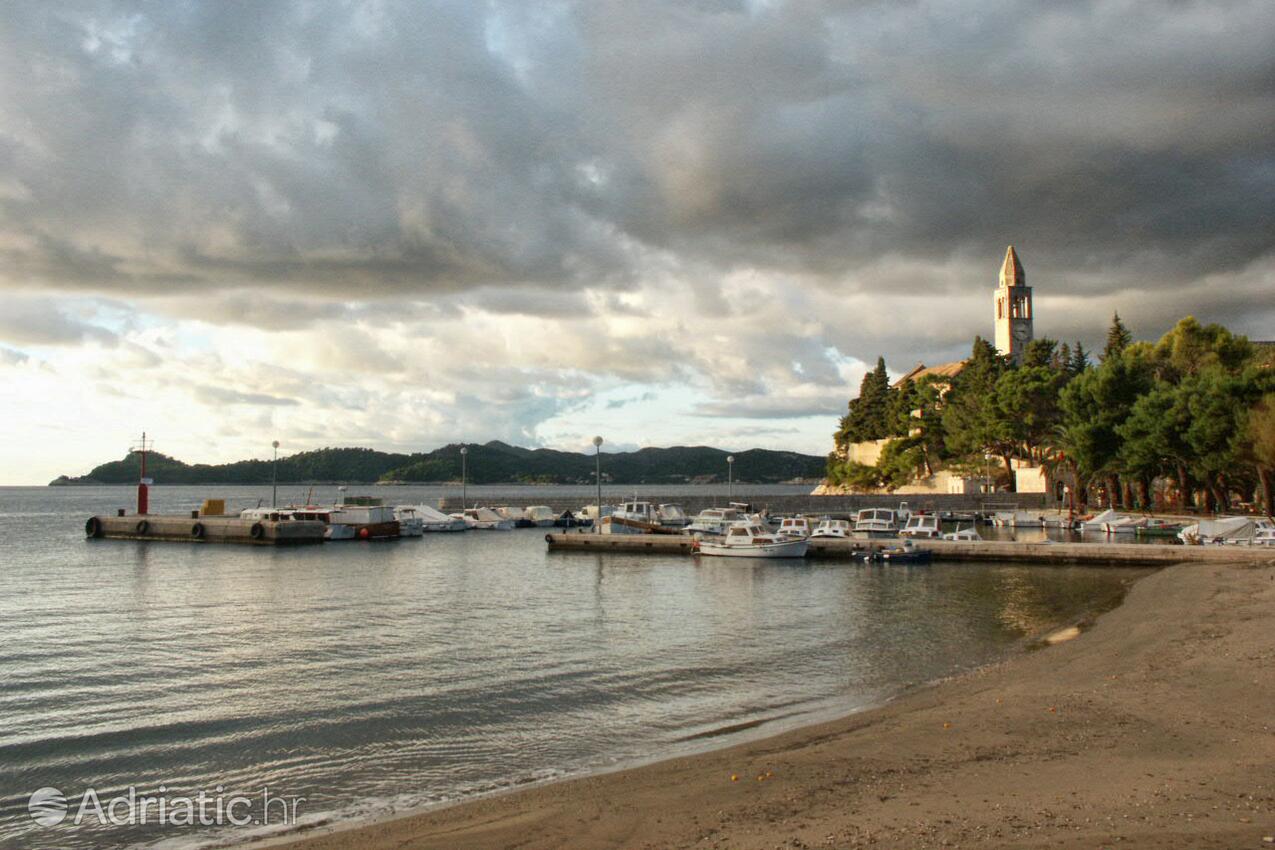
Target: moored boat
[
  {"x": 796, "y": 527},
  {"x": 713, "y": 522},
  {"x": 672, "y": 516},
  {"x": 540, "y": 516},
  {"x": 368, "y": 517},
  {"x": 434, "y": 520},
  {"x": 747, "y": 539},
  {"x": 410, "y": 524},
  {"x": 876, "y": 522},
  {"x": 832, "y": 529},
  {"x": 485, "y": 519},
  {"x": 922, "y": 525},
  {"x": 963, "y": 534}
]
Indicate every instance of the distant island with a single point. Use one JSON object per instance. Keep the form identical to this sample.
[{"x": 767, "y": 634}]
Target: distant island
[{"x": 489, "y": 463}]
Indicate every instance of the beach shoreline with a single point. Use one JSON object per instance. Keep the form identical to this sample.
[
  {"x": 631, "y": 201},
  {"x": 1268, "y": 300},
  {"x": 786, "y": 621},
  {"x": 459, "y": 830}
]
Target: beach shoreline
[{"x": 1151, "y": 728}]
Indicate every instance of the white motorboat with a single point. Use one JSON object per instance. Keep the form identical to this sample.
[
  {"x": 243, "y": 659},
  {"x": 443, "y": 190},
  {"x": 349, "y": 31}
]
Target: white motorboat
[
  {"x": 747, "y": 539},
  {"x": 713, "y": 521},
  {"x": 672, "y": 516},
  {"x": 541, "y": 516},
  {"x": 836, "y": 529},
  {"x": 1264, "y": 535},
  {"x": 963, "y": 534},
  {"x": 922, "y": 525},
  {"x": 876, "y": 522},
  {"x": 796, "y": 527},
  {"x": 433, "y": 520},
  {"x": 410, "y": 523},
  {"x": 485, "y": 519}
]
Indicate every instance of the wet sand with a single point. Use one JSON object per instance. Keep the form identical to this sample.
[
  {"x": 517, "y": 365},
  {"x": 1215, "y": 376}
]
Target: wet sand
[{"x": 1154, "y": 728}]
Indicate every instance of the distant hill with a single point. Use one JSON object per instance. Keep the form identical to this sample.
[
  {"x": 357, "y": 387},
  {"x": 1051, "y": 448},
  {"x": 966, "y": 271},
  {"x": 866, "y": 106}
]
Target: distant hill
[{"x": 491, "y": 463}]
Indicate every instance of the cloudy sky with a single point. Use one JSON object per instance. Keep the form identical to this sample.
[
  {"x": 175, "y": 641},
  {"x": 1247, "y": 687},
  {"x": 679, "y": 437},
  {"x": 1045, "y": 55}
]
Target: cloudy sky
[{"x": 404, "y": 224}]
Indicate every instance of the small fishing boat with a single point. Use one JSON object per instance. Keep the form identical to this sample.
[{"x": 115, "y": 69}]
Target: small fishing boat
[
  {"x": 795, "y": 527},
  {"x": 1017, "y": 519},
  {"x": 434, "y": 521},
  {"x": 1232, "y": 531},
  {"x": 713, "y": 521},
  {"x": 635, "y": 518},
  {"x": 1122, "y": 524},
  {"x": 485, "y": 519},
  {"x": 1094, "y": 523},
  {"x": 1152, "y": 527},
  {"x": 905, "y": 554},
  {"x": 963, "y": 534},
  {"x": 410, "y": 524},
  {"x": 672, "y": 516},
  {"x": 922, "y": 525},
  {"x": 540, "y": 516},
  {"x": 368, "y": 517},
  {"x": 876, "y": 522},
  {"x": 747, "y": 539},
  {"x": 832, "y": 529}
]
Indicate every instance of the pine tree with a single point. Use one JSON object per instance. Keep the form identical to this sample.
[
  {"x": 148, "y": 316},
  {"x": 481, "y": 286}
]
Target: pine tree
[
  {"x": 1079, "y": 361},
  {"x": 869, "y": 415},
  {"x": 1118, "y": 338},
  {"x": 1062, "y": 358}
]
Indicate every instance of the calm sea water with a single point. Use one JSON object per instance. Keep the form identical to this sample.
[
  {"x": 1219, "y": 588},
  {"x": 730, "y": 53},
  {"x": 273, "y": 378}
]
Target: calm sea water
[{"x": 377, "y": 678}]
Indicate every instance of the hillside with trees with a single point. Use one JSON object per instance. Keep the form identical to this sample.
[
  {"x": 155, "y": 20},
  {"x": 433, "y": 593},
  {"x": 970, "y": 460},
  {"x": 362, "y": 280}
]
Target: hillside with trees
[
  {"x": 1186, "y": 421},
  {"x": 490, "y": 463}
]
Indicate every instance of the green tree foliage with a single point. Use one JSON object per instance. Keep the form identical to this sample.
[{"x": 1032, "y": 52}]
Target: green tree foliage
[
  {"x": 1118, "y": 338},
  {"x": 902, "y": 460},
  {"x": 972, "y": 420},
  {"x": 871, "y": 414},
  {"x": 1259, "y": 445},
  {"x": 1196, "y": 407}
]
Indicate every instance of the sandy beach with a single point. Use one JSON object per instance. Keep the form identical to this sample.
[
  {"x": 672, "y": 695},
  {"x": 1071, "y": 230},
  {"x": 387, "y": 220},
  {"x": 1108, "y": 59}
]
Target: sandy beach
[{"x": 1153, "y": 728}]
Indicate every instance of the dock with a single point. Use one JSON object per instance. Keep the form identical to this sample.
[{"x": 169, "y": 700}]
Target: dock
[
  {"x": 204, "y": 529},
  {"x": 1097, "y": 554}
]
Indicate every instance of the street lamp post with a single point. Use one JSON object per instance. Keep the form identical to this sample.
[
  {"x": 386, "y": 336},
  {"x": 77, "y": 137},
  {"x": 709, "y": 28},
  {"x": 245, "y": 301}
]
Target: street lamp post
[
  {"x": 730, "y": 477},
  {"x": 274, "y": 476},
  {"x": 597, "y": 444},
  {"x": 464, "y": 494}
]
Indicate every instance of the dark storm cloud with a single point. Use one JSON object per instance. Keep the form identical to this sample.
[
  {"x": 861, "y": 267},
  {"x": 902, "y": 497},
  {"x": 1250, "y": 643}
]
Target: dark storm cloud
[{"x": 375, "y": 149}]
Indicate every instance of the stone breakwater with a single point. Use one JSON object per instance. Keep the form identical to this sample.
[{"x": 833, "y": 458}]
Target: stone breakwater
[{"x": 783, "y": 504}]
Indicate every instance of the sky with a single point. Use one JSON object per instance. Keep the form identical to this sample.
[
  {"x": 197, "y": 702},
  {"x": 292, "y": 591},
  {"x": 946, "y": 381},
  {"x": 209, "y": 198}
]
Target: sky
[{"x": 405, "y": 224}]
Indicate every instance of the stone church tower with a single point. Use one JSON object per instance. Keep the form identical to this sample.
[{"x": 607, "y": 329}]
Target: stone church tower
[{"x": 1013, "y": 309}]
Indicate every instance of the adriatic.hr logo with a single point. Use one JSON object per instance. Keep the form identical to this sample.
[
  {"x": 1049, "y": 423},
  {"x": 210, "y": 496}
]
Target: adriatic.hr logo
[{"x": 49, "y": 807}]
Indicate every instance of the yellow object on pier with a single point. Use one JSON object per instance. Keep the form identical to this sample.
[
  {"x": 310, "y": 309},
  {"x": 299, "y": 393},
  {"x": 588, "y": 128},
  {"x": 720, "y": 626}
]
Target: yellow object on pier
[{"x": 213, "y": 507}]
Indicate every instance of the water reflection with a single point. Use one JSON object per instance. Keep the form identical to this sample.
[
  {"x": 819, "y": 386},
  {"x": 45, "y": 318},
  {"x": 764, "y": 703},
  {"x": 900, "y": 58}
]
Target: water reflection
[{"x": 369, "y": 677}]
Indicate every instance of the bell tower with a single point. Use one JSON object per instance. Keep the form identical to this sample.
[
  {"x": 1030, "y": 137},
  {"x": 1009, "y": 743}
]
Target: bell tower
[{"x": 1013, "y": 308}]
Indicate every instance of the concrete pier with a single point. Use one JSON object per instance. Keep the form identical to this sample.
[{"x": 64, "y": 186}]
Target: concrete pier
[
  {"x": 204, "y": 529},
  {"x": 1097, "y": 554}
]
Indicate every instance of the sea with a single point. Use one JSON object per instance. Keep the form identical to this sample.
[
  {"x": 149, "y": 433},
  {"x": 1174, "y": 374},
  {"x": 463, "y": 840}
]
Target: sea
[{"x": 354, "y": 681}]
